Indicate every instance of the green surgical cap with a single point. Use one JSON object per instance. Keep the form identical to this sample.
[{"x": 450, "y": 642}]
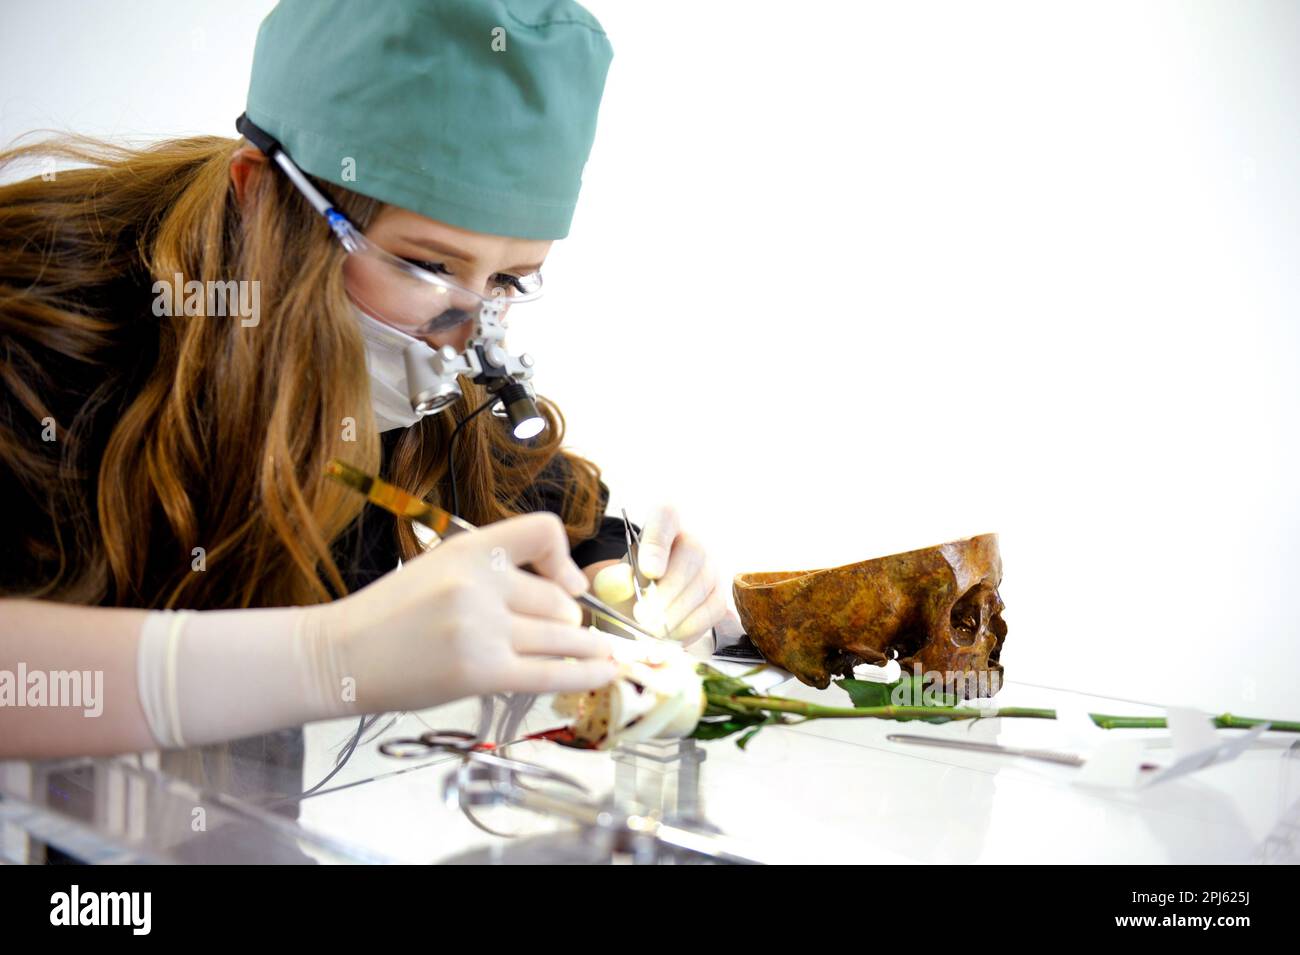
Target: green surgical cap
[{"x": 477, "y": 113}]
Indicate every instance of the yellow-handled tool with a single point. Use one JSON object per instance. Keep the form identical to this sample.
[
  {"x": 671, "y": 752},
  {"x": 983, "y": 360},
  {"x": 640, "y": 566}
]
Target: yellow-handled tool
[{"x": 443, "y": 523}]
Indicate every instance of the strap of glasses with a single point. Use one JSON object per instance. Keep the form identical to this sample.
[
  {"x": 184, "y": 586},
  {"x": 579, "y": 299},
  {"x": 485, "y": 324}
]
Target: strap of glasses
[{"x": 269, "y": 145}]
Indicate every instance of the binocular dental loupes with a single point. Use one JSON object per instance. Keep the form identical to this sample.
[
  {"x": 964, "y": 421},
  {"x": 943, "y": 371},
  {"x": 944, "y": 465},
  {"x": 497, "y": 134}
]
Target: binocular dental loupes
[{"x": 431, "y": 374}]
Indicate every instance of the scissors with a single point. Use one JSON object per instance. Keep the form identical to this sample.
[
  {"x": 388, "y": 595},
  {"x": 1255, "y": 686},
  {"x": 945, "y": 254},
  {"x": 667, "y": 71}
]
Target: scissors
[{"x": 470, "y": 749}]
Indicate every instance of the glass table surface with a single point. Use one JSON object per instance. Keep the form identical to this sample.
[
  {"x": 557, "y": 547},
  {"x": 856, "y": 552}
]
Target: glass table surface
[{"x": 824, "y": 791}]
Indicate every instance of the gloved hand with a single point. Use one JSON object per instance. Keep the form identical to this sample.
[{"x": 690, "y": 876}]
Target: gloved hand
[
  {"x": 684, "y": 600},
  {"x": 459, "y": 620},
  {"x": 463, "y": 619}
]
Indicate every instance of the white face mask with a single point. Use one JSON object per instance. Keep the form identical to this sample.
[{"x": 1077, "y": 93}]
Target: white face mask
[{"x": 389, "y": 395}]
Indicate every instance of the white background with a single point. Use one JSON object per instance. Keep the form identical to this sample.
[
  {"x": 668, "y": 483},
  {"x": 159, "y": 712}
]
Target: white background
[{"x": 854, "y": 278}]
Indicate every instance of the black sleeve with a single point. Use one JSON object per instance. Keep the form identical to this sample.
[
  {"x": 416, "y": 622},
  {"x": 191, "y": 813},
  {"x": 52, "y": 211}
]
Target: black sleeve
[{"x": 547, "y": 494}]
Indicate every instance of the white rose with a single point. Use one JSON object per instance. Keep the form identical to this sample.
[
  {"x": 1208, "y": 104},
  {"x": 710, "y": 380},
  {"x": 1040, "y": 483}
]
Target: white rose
[{"x": 657, "y": 695}]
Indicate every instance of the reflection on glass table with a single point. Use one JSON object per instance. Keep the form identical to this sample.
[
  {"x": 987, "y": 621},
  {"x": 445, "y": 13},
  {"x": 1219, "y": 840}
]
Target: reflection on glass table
[{"x": 822, "y": 791}]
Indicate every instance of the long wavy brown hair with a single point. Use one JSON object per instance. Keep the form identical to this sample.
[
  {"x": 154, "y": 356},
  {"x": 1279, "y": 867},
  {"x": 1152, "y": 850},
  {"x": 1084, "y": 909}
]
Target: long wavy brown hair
[{"x": 129, "y": 440}]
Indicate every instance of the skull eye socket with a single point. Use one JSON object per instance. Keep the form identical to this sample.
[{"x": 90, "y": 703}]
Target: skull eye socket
[{"x": 967, "y": 617}]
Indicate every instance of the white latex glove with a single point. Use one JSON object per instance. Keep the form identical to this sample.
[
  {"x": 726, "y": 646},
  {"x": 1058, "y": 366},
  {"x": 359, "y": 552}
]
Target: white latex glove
[
  {"x": 463, "y": 619},
  {"x": 685, "y": 596},
  {"x": 460, "y": 620}
]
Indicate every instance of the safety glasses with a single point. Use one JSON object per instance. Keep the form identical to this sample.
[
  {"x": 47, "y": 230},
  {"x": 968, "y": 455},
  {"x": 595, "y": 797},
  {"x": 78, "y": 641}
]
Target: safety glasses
[{"x": 415, "y": 300}]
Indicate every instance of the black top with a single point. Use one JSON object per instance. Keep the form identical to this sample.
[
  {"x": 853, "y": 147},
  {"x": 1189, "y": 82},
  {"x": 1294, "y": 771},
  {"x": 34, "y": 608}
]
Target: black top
[{"x": 368, "y": 550}]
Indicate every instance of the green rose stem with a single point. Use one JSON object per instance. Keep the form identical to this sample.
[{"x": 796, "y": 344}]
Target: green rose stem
[{"x": 778, "y": 704}]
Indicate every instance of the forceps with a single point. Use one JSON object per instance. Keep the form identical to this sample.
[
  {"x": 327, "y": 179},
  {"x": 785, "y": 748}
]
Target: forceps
[
  {"x": 640, "y": 582},
  {"x": 633, "y": 537},
  {"x": 470, "y": 749}
]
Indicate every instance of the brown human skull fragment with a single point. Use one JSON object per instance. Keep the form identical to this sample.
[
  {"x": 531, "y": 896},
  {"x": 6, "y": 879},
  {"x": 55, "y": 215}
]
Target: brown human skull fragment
[{"x": 935, "y": 609}]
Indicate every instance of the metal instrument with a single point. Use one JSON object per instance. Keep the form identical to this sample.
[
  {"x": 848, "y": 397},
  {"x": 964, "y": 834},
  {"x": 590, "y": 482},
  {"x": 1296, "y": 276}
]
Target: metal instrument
[
  {"x": 469, "y": 748},
  {"x": 642, "y": 585},
  {"x": 633, "y": 537},
  {"x": 1046, "y": 755},
  {"x": 484, "y": 780},
  {"x": 1051, "y": 756}
]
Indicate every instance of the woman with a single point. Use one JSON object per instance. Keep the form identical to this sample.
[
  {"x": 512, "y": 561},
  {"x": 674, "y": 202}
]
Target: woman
[{"x": 171, "y": 524}]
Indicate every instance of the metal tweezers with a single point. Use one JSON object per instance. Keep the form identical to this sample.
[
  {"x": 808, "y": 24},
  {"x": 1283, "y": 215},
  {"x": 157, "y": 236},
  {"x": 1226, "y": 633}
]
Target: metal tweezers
[
  {"x": 633, "y": 537},
  {"x": 640, "y": 582}
]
